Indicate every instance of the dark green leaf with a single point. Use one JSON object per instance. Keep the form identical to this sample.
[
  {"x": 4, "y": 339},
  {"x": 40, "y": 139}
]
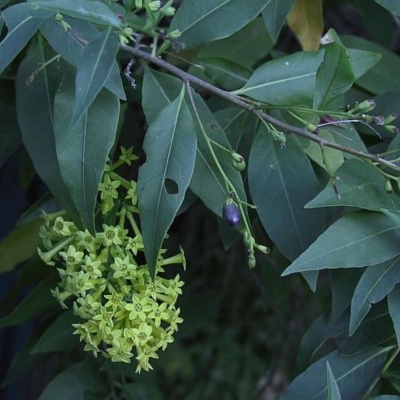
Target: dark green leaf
[
  {"x": 392, "y": 5},
  {"x": 353, "y": 375},
  {"x": 10, "y": 135},
  {"x": 93, "y": 11},
  {"x": 393, "y": 215},
  {"x": 94, "y": 67},
  {"x": 35, "y": 117},
  {"x": 280, "y": 196},
  {"x": 207, "y": 181},
  {"x": 376, "y": 282},
  {"x": 245, "y": 47},
  {"x": 19, "y": 245},
  {"x": 170, "y": 146},
  {"x": 21, "y": 28},
  {"x": 59, "y": 335},
  {"x": 334, "y": 76},
  {"x": 275, "y": 14},
  {"x": 200, "y": 20},
  {"x": 393, "y": 300},
  {"x": 224, "y": 72},
  {"x": 383, "y": 77},
  {"x": 39, "y": 301},
  {"x": 344, "y": 281},
  {"x": 138, "y": 391},
  {"x": 359, "y": 185},
  {"x": 355, "y": 240},
  {"x": 386, "y": 397},
  {"x": 82, "y": 149},
  {"x": 333, "y": 389},
  {"x": 287, "y": 81},
  {"x": 73, "y": 382},
  {"x": 71, "y": 49},
  {"x": 164, "y": 88},
  {"x": 362, "y": 61}
]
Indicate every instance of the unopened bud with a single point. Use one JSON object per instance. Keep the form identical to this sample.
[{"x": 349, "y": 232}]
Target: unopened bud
[
  {"x": 391, "y": 128},
  {"x": 364, "y": 107},
  {"x": 263, "y": 249},
  {"x": 388, "y": 186},
  {"x": 174, "y": 34},
  {"x": 252, "y": 260},
  {"x": 390, "y": 118}
]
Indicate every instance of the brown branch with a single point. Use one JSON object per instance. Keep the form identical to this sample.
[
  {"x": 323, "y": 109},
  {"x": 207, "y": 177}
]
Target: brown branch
[{"x": 234, "y": 99}]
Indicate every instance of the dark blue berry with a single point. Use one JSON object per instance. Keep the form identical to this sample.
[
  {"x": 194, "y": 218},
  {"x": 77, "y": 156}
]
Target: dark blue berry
[{"x": 231, "y": 213}]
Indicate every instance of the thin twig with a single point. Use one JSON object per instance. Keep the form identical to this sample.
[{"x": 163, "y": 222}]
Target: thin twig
[{"x": 234, "y": 99}]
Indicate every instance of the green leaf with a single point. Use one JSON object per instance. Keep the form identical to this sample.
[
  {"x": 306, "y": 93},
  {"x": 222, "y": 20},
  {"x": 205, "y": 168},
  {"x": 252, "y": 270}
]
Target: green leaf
[
  {"x": 376, "y": 282},
  {"x": 290, "y": 80},
  {"x": 10, "y": 135},
  {"x": 393, "y": 215},
  {"x": 333, "y": 389},
  {"x": 386, "y": 397},
  {"x": 391, "y": 5},
  {"x": 224, "y": 72},
  {"x": 163, "y": 87},
  {"x": 306, "y": 21},
  {"x": 64, "y": 43},
  {"x": 355, "y": 240},
  {"x": 353, "y": 375},
  {"x": 359, "y": 185},
  {"x": 170, "y": 146},
  {"x": 199, "y": 21},
  {"x": 393, "y": 299},
  {"x": 244, "y": 47},
  {"x": 136, "y": 391},
  {"x": 59, "y": 335},
  {"x": 35, "y": 117},
  {"x": 82, "y": 149},
  {"x": 93, "y": 11},
  {"x": 280, "y": 196},
  {"x": 19, "y": 245},
  {"x": 274, "y": 15},
  {"x": 207, "y": 182},
  {"x": 94, "y": 67},
  {"x": 21, "y": 28},
  {"x": 362, "y": 61},
  {"x": 73, "y": 382},
  {"x": 344, "y": 282},
  {"x": 334, "y": 76},
  {"x": 382, "y": 77},
  {"x": 39, "y": 301}
]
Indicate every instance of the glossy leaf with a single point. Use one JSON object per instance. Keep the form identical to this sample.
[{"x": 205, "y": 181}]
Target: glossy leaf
[
  {"x": 82, "y": 149},
  {"x": 362, "y": 61},
  {"x": 21, "y": 28},
  {"x": 286, "y": 81},
  {"x": 392, "y": 5},
  {"x": 244, "y": 47},
  {"x": 280, "y": 196},
  {"x": 334, "y": 76},
  {"x": 35, "y": 117},
  {"x": 333, "y": 389},
  {"x": 393, "y": 299},
  {"x": 376, "y": 282},
  {"x": 355, "y": 240},
  {"x": 199, "y": 21},
  {"x": 59, "y": 335},
  {"x": 71, "y": 49},
  {"x": 305, "y": 20},
  {"x": 157, "y": 85},
  {"x": 170, "y": 146},
  {"x": 73, "y": 382},
  {"x": 93, "y": 11},
  {"x": 207, "y": 182},
  {"x": 96, "y": 61},
  {"x": 19, "y": 245},
  {"x": 274, "y": 15},
  {"x": 353, "y": 375},
  {"x": 382, "y": 77},
  {"x": 359, "y": 185},
  {"x": 224, "y": 72}
]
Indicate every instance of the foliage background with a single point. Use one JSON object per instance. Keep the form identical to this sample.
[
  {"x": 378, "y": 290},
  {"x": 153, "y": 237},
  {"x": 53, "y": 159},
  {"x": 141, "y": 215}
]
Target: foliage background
[{"x": 248, "y": 333}]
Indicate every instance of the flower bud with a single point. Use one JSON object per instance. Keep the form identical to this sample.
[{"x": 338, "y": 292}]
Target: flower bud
[
  {"x": 390, "y": 118},
  {"x": 252, "y": 260},
  {"x": 239, "y": 165},
  {"x": 231, "y": 213},
  {"x": 263, "y": 249},
  {"x": 174, "y": 34},
  {"x": 364, "y": 107},
  {"x": 391, "y": 128},
  {"x": 388, "y": 186},
  {"x": 379, "y": 120}
]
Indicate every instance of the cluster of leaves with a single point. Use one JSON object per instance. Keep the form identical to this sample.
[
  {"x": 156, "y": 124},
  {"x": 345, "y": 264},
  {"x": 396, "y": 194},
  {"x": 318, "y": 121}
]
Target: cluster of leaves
[{"x": 320, "y": 196}]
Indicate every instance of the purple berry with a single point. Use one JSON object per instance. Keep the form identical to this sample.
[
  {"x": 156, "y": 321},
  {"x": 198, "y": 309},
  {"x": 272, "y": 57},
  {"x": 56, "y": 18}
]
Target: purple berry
[{"x": 231, "y": 213}]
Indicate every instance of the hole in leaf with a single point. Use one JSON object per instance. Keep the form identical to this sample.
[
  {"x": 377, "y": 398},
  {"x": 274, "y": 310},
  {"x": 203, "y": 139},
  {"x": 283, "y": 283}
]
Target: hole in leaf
[{"x": 171, "y": 186}]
